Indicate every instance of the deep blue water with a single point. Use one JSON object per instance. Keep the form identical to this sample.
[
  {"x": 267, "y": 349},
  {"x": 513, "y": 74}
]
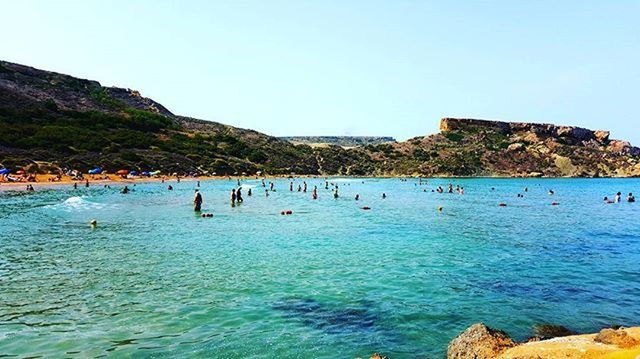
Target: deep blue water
[{"x": 329, "y": 281}]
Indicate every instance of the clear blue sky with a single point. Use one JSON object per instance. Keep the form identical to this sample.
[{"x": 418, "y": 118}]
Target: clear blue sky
[{"x": 348, "y": 67}]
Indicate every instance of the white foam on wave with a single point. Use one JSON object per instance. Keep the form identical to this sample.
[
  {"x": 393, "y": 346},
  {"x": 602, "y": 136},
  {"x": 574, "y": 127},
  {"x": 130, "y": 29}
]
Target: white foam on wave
[{"x": 77, "y": 203}]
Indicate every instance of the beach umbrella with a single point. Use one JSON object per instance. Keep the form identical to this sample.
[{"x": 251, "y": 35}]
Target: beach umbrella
[
  {"x": 95, "y": 171},
  {"x": 133, "y": 173},
  {"x": 122, "y": 172},
  {"x": 146, "y": 173}
]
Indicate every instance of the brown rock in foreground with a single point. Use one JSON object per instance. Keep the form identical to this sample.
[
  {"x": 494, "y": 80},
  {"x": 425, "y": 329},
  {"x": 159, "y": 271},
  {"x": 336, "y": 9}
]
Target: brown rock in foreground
[{"x": 479, "y": 342}]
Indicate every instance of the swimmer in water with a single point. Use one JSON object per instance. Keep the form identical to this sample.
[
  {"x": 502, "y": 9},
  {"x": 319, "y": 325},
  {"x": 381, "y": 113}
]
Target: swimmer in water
[
  {"x": 290, "y": 186},
  {"x": 197, "y": 201},
  {"x": 125, "y": 190},
  {"x": 631, "y": 198},
  {"x": 384, "y": 195},
  {"x": 551, "y": 192},
  {"x": 314, "y": 195},
  {"x": 75, "y": 185},
  {"x": 357, "y": 197},
  {"x": 93, "y": 223},
  {"x": 233, "y": 197},
  {"x": 304, "y": 189},
  {"x": 249, "y": 192},
  {"x": 239, "y": 198},
  {"x": 266, "y": 193},
  {"x": 618, "y": 197},
  {"x": 170, "y": 188}
]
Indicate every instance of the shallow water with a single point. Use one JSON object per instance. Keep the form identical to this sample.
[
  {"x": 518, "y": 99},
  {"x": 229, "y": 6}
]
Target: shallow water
[{"x": 329, "y": 281}]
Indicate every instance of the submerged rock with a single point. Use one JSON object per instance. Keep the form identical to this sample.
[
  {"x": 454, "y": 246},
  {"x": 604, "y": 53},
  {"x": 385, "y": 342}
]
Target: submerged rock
[
  {"x": 548, "y": 331},
  {"x": 479, "y": 342}
]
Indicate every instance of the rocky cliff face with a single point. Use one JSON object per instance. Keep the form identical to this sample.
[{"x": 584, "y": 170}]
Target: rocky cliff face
[{"x": 471, "y": 147}]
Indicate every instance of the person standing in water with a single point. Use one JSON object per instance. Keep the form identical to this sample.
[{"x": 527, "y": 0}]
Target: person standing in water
[
  {"x": 197, "y": 201},
  {"x": 249, "y": 192},
  {"x": 304, "y": 189},
  {"x": 618, "y": 197},
  {"x": 233, "y": 197},
  {"x": 384, "y": 195},
  {"x": 239, "y": 198},
  {"x": 314, "y": 195},
  {"x": 290, "y": 186},
  {"x": 631, "y": 198}
]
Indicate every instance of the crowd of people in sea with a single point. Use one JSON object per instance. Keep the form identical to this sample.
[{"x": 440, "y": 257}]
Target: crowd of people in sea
[{"x": 300, "y": 185}]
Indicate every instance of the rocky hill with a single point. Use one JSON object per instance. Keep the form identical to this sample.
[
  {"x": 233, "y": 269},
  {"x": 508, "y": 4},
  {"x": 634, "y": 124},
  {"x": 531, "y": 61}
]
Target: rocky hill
[
  {"x": 50, "y": 121},
  {"x": 342, "y": 141},
  {"x": 470, "y": 147}
]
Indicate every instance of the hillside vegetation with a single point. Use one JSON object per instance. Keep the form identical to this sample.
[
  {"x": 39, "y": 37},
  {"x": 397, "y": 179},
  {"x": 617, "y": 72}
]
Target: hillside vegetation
[{"x": 50, "y": 121}]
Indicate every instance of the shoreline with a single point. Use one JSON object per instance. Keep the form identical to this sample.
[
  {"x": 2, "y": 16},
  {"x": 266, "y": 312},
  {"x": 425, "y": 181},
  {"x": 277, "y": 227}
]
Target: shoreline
[{"x": 43, "y": 182}]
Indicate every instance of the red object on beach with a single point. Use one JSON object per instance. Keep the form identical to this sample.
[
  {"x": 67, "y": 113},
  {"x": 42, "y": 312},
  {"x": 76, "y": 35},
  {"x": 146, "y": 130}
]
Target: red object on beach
[
  {"x": 122, "y": 172},
  {"x": 366, "y": 208},
  {"x": 20, "y": 172},
  {"x": 502, "y": 205}
]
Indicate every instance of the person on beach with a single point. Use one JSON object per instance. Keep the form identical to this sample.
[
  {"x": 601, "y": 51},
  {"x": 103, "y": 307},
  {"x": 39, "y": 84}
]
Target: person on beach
[
  {"x": 618, "y": 197},
  {"x": 197, "y": 201},
  {"x": 239, "y": 198},
  {"x": 233, "y": 197},
  {"x": 631, "y": 198}
]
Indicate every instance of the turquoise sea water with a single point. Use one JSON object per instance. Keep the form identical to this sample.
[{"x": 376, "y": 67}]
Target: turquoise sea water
[{"x": 329, "y": 281}]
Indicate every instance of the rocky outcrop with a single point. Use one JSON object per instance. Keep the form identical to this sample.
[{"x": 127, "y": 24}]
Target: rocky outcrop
[
  {"x": 480, "y": 342},
  {"x": 570, "y": 133}
]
